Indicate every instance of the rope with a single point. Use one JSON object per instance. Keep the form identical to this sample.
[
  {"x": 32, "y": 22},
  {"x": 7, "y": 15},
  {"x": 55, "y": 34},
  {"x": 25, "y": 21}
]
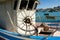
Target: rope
[{"x": 11, "y": 20}]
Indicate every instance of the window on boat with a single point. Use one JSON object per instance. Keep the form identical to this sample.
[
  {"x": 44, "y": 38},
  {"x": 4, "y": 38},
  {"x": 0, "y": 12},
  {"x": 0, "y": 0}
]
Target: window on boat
[
  {"x": 23, "y": 4},
  {"x": 32, "y": 4},
  {"x": 15, "y": 4},
  {"x": 28, "y": 4}
]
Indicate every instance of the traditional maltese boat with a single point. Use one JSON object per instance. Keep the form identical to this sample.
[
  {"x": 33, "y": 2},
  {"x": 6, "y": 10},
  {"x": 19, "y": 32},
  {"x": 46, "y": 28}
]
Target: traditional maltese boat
[{"x": 17, "y": 21}]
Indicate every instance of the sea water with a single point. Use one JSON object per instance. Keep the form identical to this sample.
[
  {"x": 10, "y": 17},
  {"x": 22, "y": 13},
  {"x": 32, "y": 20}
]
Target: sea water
[{"x": 41, "y": 17}]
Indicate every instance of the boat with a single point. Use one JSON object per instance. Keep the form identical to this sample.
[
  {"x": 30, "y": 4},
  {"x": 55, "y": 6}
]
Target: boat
[{"x": 17, "y": 21}]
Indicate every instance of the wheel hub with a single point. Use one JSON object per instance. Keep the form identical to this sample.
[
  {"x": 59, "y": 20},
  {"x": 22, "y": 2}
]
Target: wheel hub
[{"x": 27, "y": 20}]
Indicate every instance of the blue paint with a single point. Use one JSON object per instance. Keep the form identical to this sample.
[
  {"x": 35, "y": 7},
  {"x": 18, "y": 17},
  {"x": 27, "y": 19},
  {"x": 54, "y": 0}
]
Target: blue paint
[
  {"x": 12, "y": 33},
  {"x": 16, "y": 34},
  {"x": 53, "y": 24},
  {"x": 9, "y": 37},
  {"x": 32, "y": 37},
  {"x": 53, "y": 38},
  {"x": 37, "y": 37}
]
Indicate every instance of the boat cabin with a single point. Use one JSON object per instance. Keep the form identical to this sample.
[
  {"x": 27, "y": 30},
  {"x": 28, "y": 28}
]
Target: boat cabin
[{"x": 9, "y": 10}]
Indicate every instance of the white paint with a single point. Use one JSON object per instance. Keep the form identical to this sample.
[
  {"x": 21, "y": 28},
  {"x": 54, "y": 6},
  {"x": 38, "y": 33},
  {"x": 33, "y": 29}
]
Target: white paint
[
  {"x": 57, "y": 33},
  {"x": 40, "y": 29}
]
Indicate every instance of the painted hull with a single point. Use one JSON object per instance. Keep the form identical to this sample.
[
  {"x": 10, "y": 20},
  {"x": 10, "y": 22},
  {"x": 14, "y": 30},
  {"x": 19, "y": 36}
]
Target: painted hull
[{"x": 11, "y": 36}]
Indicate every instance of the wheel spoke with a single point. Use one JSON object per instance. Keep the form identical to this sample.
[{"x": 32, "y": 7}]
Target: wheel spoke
[
  {"x": 29, "y": 28},
  {"x": 33, "y": 26},
  {"x": 33, "y": 21},
  {"x": 23, "y": 26},
  {"x": 20, "y": 25},
  {"x": 22, "y": 14},
  {"x": 26, "y": 29},
  {"x": 29, "y": 13},
  {"x": 25, "y": 13},
  {"x": 32, "y": 14},
  {"x": 32, "y": 18},
  {"x": 20, "y": 20}
]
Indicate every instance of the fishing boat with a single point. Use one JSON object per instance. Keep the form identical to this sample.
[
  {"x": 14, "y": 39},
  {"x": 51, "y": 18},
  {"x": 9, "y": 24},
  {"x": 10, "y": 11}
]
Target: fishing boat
[{"x": 17, "y": 21}]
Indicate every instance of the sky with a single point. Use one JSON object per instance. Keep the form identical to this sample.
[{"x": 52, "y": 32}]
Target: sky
[{"x": 48, "y": 4}]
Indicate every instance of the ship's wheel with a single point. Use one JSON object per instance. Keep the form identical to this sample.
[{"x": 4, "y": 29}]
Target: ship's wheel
[{"x": 26, "y": 22}]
